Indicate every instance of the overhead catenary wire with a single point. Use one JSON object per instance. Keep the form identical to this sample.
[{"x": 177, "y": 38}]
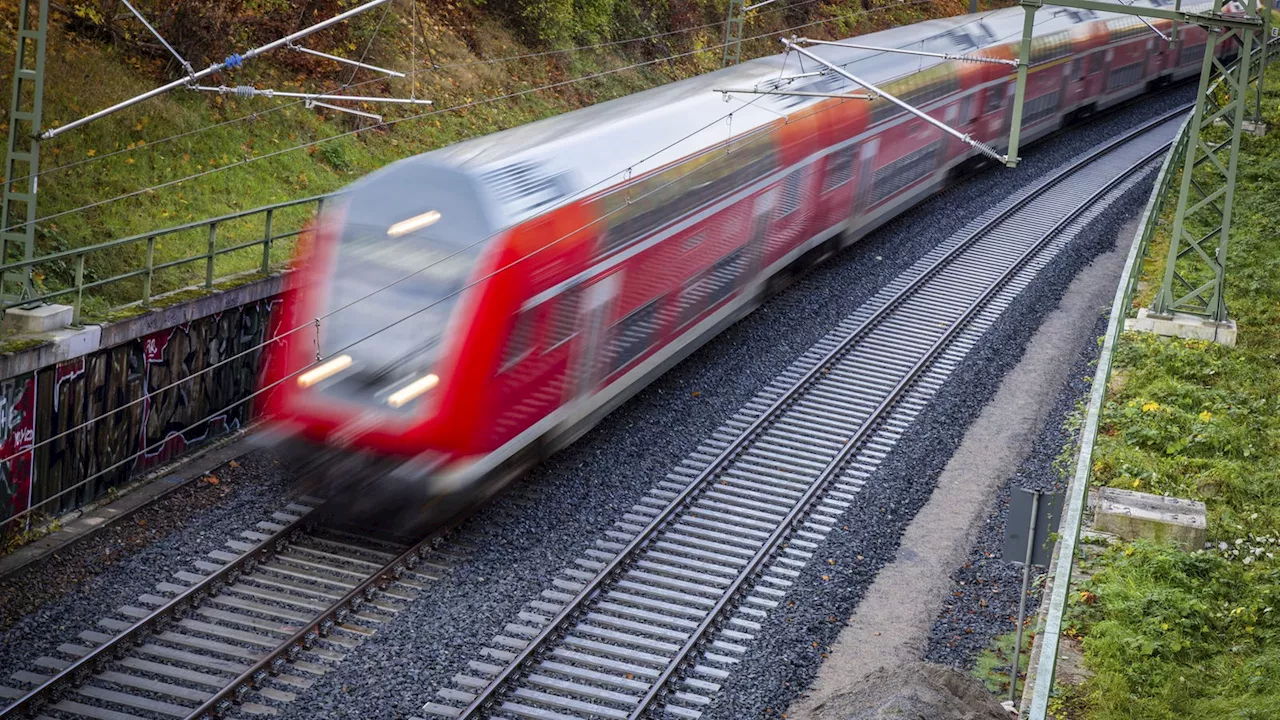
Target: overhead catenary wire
[
  {"x": 232, "y": 61},
  {"x": 419, "y": 116},
  {"x": 431, "y": 64},
  {"x": 754, "y": 136},
  {"x": 310, "y": 324},
  {"x": 612, "y": 43},
  {"x": 181, "y": 60},
  {"x": 214, "y": 415}
]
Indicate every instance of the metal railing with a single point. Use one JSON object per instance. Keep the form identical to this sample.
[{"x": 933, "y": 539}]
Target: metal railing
[
  {"x": 261, "y": 228},
  {"x": 1069, "y": 530},
  {"x": 1077, "y": 492}
]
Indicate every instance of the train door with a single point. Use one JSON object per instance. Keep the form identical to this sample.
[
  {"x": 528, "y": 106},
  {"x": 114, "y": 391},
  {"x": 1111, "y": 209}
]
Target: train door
[
  {"x": 597, "y": 304},
  {"x": 762, "y": 212},
  {"x": 866, "y": 174},
  {"x": 1064, "y": 87}
]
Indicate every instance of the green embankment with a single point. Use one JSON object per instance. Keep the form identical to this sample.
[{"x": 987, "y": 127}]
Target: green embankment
[
  {"x": 259, "y": 154},
  {"x": 1170, "y": 634}
]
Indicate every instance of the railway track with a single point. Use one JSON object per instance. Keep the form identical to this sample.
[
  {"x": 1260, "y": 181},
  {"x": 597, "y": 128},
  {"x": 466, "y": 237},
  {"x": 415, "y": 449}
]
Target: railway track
[
  {"x": 257, "y": 623},
  {"x": 653, "y": 619}
]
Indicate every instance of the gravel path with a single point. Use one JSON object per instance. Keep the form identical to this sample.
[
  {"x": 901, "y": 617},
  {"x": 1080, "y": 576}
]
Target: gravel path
[
  {"x": 522, "y": 540},
  {"x": 975, "y": 614},
  {"x": 52, "y": 601}
]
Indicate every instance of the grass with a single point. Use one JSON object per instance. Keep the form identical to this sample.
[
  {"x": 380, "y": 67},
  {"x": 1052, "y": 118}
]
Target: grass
[
  {"x": 259, "y": 154},
  {"x": 17, "y": 345},
  {"x": 992, "y": 665},
  {"x": 1197, "y": 635}
]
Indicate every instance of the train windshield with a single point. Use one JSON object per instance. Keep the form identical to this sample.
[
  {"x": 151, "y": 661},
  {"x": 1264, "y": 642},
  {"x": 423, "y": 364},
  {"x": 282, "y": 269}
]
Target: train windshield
[{"x": 405, "y": 254}]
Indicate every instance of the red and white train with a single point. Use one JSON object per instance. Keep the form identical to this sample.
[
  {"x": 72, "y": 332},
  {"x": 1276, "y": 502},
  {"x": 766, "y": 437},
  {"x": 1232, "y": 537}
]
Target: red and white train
[{"x": 482, "y": 305}]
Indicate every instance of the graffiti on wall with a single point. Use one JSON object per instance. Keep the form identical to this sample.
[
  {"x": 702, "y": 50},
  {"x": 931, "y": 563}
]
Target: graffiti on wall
[
  {"x": 17, "y": 428},
  {"x": 124, "y": 410}
]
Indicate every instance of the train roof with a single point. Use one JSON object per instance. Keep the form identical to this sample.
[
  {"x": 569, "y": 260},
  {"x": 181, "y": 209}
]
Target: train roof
[{"x": 529, "y": 168}]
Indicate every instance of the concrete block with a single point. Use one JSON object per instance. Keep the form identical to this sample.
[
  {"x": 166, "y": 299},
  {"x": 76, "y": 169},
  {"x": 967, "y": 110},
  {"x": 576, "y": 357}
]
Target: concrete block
[
  {"x": 39, "y": 319},
  {"x": 1133, "y": 515},
  {"x": 1192, "y": 327},
  {"x": 72, "y": 343},
  {"x": 1254, "y": 128}
]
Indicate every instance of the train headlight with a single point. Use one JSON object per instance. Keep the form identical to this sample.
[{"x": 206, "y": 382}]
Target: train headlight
[
  {"x": 325, "y": 370},
  {"x": 413, "y": 390},
  {"x": 417, "y": 222}
]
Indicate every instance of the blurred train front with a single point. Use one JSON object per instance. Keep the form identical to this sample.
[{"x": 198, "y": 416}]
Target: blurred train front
[{"x": 368, "y": 404}]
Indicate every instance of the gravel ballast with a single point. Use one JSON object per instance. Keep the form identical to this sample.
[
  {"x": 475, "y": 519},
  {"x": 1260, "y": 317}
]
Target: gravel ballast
[
  {"x": 50, "y": 602},
  {"x": 522, "y": 540},
  {"x": 785, "y": 657}
]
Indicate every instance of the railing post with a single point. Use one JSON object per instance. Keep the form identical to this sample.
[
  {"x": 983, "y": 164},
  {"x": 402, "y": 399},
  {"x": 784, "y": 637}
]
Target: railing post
[
  {"x": 266, "y": 244},
  {"x": 75, "y": 310},
  {"x": 208, "y": 268},
  {"x": 151, "y": 263}
]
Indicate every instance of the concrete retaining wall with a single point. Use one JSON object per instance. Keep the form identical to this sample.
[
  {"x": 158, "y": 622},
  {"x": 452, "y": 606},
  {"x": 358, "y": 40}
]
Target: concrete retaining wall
[{"x": 83, "y": 374}]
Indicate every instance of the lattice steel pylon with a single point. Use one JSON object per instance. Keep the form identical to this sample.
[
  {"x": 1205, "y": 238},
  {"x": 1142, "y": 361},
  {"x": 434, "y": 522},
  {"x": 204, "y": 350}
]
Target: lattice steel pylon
[
  {"x": 1195, "y": 268},
  {"x": 733, "y": 32},
  {"x": 22, "y": 159}
]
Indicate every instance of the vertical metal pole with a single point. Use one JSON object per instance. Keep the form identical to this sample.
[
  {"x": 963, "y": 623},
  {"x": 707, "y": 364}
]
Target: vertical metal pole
[
  {"x": 213, "y": 243},
  {"x": 1218, "y": 301},
  {"x": 1020, "y": 90},
  {"x": 22, "y": 160},
  {"x": 75, "y": 310},
  {"x": 1165, "y": 299},
  {"x": 1173, "y": 34},
  {"x": 733, "y": 33},
  {"x": 973, "y": 7},
  {"x": 1022, "y": 599},
  {"x": 266, "y": 245},
  {"x": 1262, "y": 66},
  {"x": 151, "y": 264}
]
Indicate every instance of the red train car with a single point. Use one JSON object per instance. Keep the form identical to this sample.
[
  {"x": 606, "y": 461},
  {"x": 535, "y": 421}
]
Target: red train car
[{"x": 472, "y": 309}]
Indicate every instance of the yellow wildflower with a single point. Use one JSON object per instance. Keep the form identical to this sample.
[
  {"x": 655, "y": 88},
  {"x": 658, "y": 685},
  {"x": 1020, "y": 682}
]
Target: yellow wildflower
[
  {"x": 1206, "y": 416},
  {"x": 1151, "y": 407}
]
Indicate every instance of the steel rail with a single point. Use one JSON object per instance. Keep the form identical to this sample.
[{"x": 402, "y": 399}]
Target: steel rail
[
  {"x": 321, "y": 625},
  {"x": 78, "y": 672},
  {"x": 831, "y": 471},
  {"x": 274, "y": 661},
  {"x": 557, "y": 625}
]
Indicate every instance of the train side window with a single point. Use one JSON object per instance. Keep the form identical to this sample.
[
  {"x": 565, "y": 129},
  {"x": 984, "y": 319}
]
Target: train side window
[
  {"x": 839, "y": 168},
  {"x": 633, "y": 334},
  {"x": 1123, "y": 76},
  {"x": 521, "y": 340},
  {"x": 1191, "y": 53},
  {"x": 643, "y": 207},
  {"x": 905, "y": 171},
  {"x": 564, "y": 318},
  {"x": 966, "y": 110},
  {"x": 792, "y": 193},
  {"x": 693, "y": 298},
  {"x": 710, "y": 286},
  {"x": 1095, "y": 63},
  {"x": 993, "y": 100}
]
